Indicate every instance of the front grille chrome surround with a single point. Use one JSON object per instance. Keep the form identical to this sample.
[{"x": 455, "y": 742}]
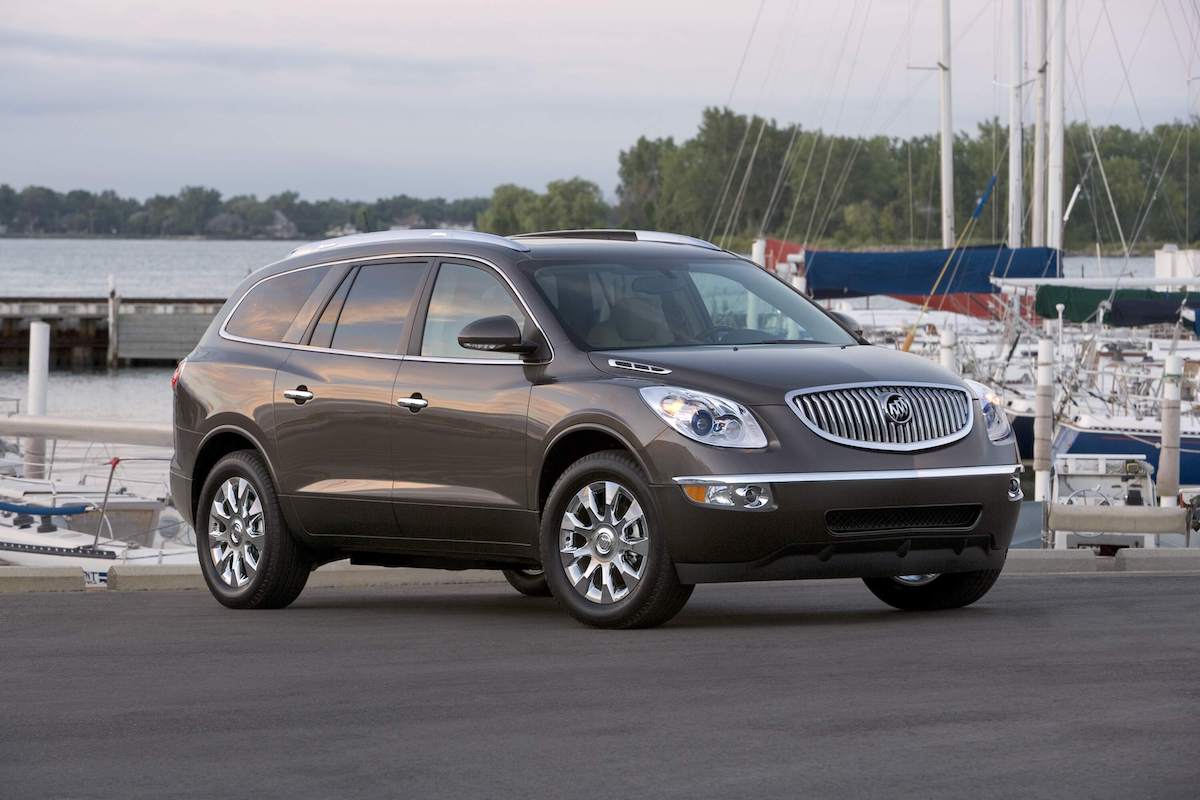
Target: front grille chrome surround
[{"x": 853, "y": 414}]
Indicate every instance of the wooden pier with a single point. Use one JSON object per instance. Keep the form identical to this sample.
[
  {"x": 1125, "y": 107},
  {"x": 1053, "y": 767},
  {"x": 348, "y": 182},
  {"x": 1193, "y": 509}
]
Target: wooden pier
[{"x": 105, "y": 331}]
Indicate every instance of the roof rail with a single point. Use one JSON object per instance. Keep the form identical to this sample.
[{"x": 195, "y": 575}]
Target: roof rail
[
  {"x": 431, "y": 235},
  {"x": 621, "y": 236}
]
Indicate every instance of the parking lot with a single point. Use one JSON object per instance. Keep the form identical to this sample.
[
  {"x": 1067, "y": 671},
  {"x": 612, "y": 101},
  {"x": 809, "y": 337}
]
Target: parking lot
[{"x": 1051, "y": 686}]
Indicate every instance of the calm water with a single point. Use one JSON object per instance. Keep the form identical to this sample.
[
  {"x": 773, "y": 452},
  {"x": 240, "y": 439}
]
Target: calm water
[
  {"x": 141, "y": 267},
  {"x": 175, "y": 268}
]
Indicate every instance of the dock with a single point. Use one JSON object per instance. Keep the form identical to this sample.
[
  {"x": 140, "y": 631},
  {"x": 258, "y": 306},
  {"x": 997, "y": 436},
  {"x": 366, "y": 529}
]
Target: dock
[{"x": 106, "y": 331}]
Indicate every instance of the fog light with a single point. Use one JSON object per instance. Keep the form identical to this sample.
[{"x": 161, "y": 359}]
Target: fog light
[
  {"x": 739, "y": 496},
  {"x": 1014, "y": 488}
]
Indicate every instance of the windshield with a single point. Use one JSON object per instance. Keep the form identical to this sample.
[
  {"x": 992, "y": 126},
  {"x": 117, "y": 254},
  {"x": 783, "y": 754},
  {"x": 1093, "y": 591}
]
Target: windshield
[{"x": 677, "y": 302}]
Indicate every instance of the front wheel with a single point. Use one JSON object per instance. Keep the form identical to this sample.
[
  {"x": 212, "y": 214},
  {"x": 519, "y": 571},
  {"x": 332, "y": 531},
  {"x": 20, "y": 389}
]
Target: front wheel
[
  {"x": 933, "y": 592},
  {"x": 248, "y": 556},
  {"x": 603, "y": 548}
]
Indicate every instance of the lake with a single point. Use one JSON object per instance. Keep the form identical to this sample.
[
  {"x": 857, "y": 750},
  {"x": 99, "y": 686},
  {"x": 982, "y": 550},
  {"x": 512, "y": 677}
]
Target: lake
[
  {"x": 173, "y": 268},
  {"x": 141, "y": 267}
]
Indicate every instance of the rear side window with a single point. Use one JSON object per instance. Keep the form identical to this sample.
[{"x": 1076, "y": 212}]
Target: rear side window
[
  {"x": 462, "y": 295},
  {"x": 323, "y": 332},
  {"x": 377, "y": 308},
  {"x": 268, "y": 309}
]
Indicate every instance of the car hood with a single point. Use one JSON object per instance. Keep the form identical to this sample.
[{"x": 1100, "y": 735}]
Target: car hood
[{"x": 763, "y": 374}]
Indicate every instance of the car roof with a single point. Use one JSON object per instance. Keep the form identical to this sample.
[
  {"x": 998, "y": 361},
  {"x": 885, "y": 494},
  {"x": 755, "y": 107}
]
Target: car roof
[{"x": 571, "y": 244}]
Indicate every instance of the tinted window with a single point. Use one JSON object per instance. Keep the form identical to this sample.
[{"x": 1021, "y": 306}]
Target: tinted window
[
  {"x": 323, "y": 332},
  {"x": 376, "y": 308},
  {"x": 462, "y": 295},
  {"x": 267, "y": 310},
  {"x": 671, "y": 302}
]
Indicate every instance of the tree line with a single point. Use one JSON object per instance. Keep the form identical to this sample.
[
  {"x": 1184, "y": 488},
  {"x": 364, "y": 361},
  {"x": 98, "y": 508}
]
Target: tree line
[
  {"x": 737, "y": 177},
  {"x": 201, "y": 211},
  {"x": 740, "y": 176}
]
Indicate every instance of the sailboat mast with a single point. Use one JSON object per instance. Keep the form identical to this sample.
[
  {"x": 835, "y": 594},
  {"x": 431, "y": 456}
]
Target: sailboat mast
[
  {"x": 1016, "y": 205},
  {"x": 1058, "y": 58},
  {"x": 1037, "y": 236},
  {"x": 947, "y": 127}
]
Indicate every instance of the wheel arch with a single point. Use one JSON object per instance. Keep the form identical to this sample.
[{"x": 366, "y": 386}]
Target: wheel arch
[
  {"x": 573, "y": 443},
  {"x": 216, "y": 444}
]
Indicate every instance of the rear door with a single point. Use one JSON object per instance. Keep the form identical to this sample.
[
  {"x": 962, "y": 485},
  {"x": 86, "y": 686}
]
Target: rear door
[{"x": 335, "y": 422}]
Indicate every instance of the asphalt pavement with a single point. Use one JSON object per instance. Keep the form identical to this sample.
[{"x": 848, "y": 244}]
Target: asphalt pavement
[{"x": 1082, "y": 686}]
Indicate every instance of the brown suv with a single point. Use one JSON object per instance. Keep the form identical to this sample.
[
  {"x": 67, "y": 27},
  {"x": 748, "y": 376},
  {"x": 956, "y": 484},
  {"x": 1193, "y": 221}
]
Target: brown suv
[{"x": 610, "y": 417}]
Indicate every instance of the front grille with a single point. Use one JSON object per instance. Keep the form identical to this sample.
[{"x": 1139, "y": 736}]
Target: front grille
[
  {"x": 871, "y": 415},
  {"x": 913, "y": 518}
]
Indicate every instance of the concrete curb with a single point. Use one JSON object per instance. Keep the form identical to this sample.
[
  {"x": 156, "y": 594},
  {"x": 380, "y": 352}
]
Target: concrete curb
[
  {"x": 338, "y": 575},
  {"x": 154, "y": 577},
  {"x": 1132, "y": 559},
  {"x": 41, "y": 579},
  {"x": 1048, "y": 562}
]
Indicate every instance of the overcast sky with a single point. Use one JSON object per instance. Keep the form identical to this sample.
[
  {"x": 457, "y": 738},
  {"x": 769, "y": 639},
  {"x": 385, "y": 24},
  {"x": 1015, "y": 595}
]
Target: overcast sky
[{"x": 363, "y": 98}]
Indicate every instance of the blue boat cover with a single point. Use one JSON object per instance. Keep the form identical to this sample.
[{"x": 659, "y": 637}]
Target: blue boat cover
[
  {"x": 833, "y": 273},
  {"x": 42, "y": 511}
]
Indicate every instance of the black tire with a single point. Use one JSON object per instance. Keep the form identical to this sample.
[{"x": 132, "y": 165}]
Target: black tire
[
  {"x": 283, "y": 563},
  {"x": 529, "y": 582},
  {"x": 658, "y": 596},
  {"x": 949, "y": 590}
]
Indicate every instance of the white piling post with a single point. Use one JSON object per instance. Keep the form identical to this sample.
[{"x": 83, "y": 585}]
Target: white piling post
[
  {"x": 39, "y": 375},
  {"x": 948, "y": 350},
  {"x": 1043, "y": 420},
  {"x": 1168, "y": 456},
  {"x": 1060, "y": 308},
  {"x": 114, "y": 316}
]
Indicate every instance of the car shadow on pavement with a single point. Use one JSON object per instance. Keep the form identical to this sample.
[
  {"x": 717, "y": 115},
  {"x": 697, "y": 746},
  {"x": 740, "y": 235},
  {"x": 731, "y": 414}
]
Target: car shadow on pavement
[{"x": 706, "y": 610}]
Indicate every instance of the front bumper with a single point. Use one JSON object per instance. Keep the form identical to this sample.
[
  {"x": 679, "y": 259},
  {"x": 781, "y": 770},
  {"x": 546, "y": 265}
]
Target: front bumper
[{"x": 794, "y": 538}]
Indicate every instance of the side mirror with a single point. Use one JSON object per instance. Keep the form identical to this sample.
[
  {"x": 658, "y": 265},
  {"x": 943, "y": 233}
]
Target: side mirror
[
  {"x": 848, "y": 322},
  {"x": 495, "y": 335}
]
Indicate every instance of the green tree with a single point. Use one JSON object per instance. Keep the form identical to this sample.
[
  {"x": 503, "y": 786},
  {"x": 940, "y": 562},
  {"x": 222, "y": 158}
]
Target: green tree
[
  {"x": 570, "y": 204},
  {"x": 640, "y": 171},
  {"x": 512, "y": 209}
]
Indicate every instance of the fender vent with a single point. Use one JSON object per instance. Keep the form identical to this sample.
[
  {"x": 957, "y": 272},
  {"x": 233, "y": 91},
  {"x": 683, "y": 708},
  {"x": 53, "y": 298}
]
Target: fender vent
[{"x": 636, "y": 366}]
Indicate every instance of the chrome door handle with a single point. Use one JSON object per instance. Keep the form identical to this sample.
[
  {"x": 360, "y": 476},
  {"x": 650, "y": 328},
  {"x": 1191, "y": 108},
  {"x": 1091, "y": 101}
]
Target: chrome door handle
[
  {"x": 299, "y": 394},
  {"x": 413, "y": 404}
]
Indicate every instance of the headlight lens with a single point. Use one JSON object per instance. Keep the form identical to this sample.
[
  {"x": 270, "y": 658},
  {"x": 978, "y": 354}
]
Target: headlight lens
[
  {"x": 998, "y": 427},
  {"x": 704, "y": 417}
]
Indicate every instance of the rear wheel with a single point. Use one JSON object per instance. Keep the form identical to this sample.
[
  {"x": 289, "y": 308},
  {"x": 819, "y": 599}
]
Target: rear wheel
[
  {"x": 529, "y": 582},
  {"x": 247, "y": 555},
  {"x": 603, "y": 548},
  {"x": 933, "y": 592}
]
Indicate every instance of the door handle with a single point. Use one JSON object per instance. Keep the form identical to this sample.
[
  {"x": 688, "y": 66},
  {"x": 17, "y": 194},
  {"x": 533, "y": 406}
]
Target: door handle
[
  {"x": 300, "y": 394},
  {"x": 414, "y": 403}
]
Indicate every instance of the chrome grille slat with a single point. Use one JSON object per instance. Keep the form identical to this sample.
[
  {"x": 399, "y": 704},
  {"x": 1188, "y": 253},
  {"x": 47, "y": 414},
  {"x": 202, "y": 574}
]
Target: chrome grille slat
[
  {"x": 853, "y": 414},
  {"x": 930, "y": 426}
]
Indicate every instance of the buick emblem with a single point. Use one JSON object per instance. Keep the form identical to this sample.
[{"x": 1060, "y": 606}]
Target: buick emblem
[{"x": 896, "y": 407}]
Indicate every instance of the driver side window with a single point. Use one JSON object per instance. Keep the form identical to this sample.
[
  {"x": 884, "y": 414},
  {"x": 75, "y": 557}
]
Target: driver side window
[{"x": 461, "y": 295}]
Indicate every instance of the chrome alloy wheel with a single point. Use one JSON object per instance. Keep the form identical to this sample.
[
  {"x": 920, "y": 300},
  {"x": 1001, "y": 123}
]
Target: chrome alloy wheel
[
  {"x": 236, "y": 532},
  {"x": 916, "y": 580},
  {"x": 604, "y": 542}
]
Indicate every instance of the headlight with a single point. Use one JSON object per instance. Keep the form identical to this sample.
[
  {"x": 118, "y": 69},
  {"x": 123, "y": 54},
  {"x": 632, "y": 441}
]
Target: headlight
[
  {"x": 998, "y": 427},
  {"x": 707, "y": 418}
]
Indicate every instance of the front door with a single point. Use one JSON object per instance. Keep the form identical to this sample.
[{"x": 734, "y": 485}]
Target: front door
[
  {"x": 335, "y": 419},
  {"x": 460, "y": 449}
]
